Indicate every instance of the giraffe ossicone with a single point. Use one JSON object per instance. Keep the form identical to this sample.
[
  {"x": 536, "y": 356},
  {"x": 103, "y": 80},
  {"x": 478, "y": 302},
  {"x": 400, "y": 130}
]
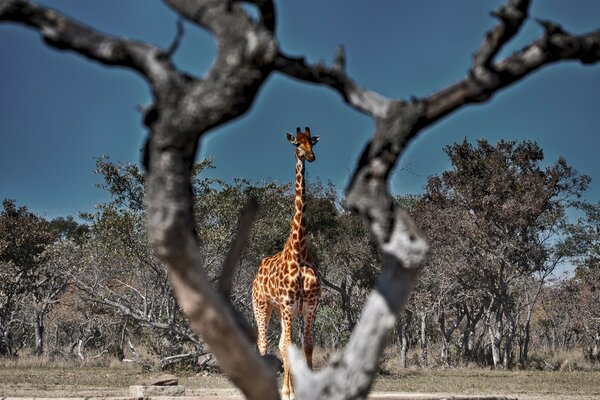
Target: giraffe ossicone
[{"x": 288, "y": 280}]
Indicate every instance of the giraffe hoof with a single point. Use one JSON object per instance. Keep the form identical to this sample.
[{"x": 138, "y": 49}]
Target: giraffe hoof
[{"x": 287, "y": 395}]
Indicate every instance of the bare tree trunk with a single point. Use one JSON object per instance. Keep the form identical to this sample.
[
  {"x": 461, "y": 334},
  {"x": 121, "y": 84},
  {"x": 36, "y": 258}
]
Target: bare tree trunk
[
  {"x": 494, "y": 323},
  {"x": 346, "y": 299},
  {"x": 424, "y": 359},
  {"x": 507, "y": 359},
  {"x": 473, "y": 318},
  {"x": 404, "y": 350},
  {"x": 524, "y": 356},
  {"x": 80, "y": 346},
  {"x": 39, "y": 329},
  {"x": 347, "y": 305},
  {"x": 494, "y": 343},
  {"x": 447, "y": 332},
  {"x": 403, "y": 335},
  {"x": 445, "y": 351}
]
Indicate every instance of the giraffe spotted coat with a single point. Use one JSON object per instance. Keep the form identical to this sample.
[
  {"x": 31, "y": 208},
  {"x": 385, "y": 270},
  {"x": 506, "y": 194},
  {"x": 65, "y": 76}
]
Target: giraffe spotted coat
[{"x": 287, "y": 282}]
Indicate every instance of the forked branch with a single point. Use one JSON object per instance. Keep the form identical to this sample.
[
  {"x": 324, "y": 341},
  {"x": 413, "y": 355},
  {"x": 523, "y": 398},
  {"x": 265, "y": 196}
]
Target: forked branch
[
  {"x": 366, "y": 101},
  {"x": 487, "y": 78}
]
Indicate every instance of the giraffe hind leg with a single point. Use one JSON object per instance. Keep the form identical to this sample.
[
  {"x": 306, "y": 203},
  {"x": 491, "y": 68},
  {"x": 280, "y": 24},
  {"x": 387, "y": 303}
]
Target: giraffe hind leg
[
  {"x": 287, "y": 390},
  {"x": 308, "y": 332}
]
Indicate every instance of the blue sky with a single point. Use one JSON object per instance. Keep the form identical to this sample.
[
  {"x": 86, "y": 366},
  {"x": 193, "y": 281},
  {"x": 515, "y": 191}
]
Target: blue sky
[{"x": 59, "y": 111}]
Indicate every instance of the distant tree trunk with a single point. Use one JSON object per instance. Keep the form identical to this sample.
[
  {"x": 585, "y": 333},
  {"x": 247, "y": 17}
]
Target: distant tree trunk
[
  {"x": 404, "y": 350},
  {"x": 424, "y": 341},
  {"x": 447, "y": 332},
  {"x": 346, "y": 295},
  {"x": 80, "y": 346},
  {"x": 4, "y": 339},
  {"x": 553, "y": 336},
  {"x": 524, "y": 354},
  {"x": 593, "y": 350},
  {"x": 494, "y": 324},
  {"x": 403, "y": 342},
  {"x": 494, "y": 347},
  {"x": 473, "y": 318},
  {"x": 507, "y": 359},
  {"x": 6, "y": 334},
  {"x": 38, "y": 326},
  {"x": 446, "y": 337}
]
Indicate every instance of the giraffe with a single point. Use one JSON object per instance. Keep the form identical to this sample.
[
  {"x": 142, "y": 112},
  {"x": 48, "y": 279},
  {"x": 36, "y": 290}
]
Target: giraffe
[{"x": 287, "y": 281}]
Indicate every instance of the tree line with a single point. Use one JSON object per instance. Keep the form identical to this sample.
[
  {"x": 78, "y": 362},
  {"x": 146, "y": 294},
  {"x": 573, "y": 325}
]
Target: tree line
[{"x": 501, "y": 224}]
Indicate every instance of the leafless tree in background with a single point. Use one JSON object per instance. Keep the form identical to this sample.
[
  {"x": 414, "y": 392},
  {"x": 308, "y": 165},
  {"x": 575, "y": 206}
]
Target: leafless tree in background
[{"x": 185, "y": 108}]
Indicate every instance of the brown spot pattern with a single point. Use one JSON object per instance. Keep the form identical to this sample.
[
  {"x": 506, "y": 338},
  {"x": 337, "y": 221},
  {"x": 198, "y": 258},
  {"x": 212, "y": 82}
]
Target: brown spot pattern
[{"x": 288, "y": 282}]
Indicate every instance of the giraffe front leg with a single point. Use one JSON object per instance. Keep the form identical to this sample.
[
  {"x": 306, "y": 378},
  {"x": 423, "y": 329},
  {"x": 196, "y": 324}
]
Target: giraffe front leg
[
  {"x": 287, "y": 390},
  {"x": 262, "y": 314}
]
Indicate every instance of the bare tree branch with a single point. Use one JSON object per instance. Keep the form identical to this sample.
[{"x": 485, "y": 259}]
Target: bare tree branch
[
  {"x": 227, "y": 20},
  {"x": 177, "y": 39},
  {"x": 371, "y": 103},
  {"x": 92, "y": 295},
  {"x": 238, "y": 244},
  {"x": 65, "y": 34},
  {"x": 211, "y": 317},
  {"x": 511, "y": 15},
  {"x": 556, "y": 45},
  {"x": 232, "y": 260},
  {"x": 244, "y": 58},
  {"x": 267, "y": 13}
]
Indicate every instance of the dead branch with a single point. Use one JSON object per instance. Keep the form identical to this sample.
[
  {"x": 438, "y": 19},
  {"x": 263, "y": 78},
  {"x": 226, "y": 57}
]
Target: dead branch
[
  {"x": 63, "y": 33},
  {"x": 366, "y": 101},
  {"x": 232, "y": 259}
]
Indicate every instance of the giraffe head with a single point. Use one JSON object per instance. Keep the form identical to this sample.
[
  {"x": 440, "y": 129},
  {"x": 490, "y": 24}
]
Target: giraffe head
[{"x": 304, "y": 143}]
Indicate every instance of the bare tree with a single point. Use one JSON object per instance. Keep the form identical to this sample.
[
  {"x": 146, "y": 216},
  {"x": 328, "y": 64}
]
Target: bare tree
[{"x": 185, "y": 108}]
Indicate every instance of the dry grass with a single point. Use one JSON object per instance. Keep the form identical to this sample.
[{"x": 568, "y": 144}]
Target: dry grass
[
  {"x": 45, "y": 379},
  {"x": 18, "y": 380},
  {"x": 558, "y": 384}
]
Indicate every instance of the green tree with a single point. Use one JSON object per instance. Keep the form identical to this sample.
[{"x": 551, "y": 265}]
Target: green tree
[
  {"x": 24, "y": 236},
  {"x": 584, "y": 238},
  {"x": 584, "y": 246},
  {"x": 494, "y": 221},
  {"x": 118, "y": 272},
  {"x": 347, "y": 260}
]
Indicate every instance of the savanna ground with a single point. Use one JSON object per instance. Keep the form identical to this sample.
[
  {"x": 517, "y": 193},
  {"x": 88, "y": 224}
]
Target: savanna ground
[{"x": 44, "y": 379}]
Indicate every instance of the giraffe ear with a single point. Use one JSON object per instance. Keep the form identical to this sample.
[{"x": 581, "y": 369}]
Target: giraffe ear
[
  {"x": 291, "y": 138},
  {"x": 314, "y": 140}
]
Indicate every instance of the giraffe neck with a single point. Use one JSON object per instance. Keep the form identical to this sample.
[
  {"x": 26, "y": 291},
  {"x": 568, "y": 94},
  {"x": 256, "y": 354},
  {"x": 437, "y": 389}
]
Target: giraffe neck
[{"x": 297, "y": 239}]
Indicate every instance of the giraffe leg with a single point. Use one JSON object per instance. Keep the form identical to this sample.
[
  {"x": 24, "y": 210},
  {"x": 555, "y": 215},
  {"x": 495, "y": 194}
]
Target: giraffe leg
[
  {"x": 262, "y": 314},
  {"x": 308, "y": 333},
  {"x": 287, "y": 391}
]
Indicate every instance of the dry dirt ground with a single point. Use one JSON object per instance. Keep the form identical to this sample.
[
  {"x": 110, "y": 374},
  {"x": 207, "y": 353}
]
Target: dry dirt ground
[{"x": 102, "y": 382}]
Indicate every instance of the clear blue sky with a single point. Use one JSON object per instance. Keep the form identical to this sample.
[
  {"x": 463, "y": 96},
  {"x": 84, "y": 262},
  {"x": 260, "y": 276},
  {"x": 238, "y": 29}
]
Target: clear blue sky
[{"x": 58, "y": 111}]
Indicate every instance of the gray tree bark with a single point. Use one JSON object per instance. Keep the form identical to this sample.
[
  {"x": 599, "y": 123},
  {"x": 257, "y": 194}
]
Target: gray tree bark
[{"x": 424, "y": 342}]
